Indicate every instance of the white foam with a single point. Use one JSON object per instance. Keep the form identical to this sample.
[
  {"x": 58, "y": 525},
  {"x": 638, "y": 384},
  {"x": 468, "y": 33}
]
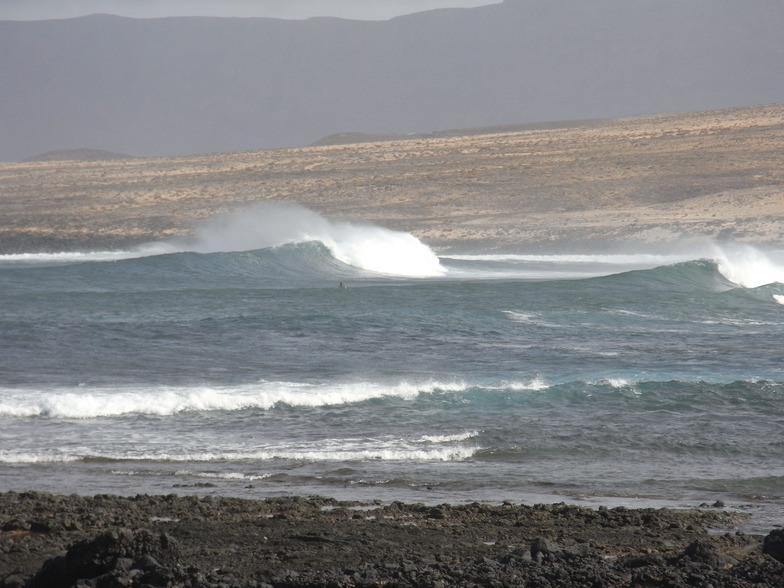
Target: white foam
[
  {"x": 67, "y": 257},
  {"x": 70, "y": 257},
  {"x": 535, "y": 385},
  {"x": 364, "y": 246},
  {"x": 326, "y": 450},
  {"x": 778, "y": 298},
  {"x": 369, "y": 454},
  {"x": 618, "y": 382},
  {"x": 452, "y": 454},
  {"x": 85, "y": 403},
  {"x": 221, "y": 475},
  {"x": 449, "y": 438},
  {"x": 386, "y": 449},
  {"x": 383, "y": 251},
  {"x": 641, "y": 259},
  {"x": 27, "y": 457},
  {"x": 747, "y": 266}
]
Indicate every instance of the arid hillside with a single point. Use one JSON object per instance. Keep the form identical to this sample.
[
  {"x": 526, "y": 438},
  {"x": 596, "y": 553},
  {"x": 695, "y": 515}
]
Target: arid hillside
[{"x": 657, "y": 178}]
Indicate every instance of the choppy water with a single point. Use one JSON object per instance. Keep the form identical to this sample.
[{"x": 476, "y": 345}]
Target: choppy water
[{"x": 235, "y": 365}]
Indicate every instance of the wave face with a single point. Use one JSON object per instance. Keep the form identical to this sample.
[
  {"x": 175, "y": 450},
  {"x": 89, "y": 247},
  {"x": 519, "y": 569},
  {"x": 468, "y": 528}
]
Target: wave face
[
  {"x": 608, "y": 379},
  {"x": 364, "y": 246}
]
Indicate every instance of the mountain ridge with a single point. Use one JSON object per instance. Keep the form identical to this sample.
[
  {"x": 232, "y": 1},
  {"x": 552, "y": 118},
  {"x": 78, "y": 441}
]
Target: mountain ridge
[{"x": 185, "y": 85}]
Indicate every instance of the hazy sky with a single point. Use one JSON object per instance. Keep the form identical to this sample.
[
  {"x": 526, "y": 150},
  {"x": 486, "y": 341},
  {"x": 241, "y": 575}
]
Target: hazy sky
[{"x": 353, "y": 9}]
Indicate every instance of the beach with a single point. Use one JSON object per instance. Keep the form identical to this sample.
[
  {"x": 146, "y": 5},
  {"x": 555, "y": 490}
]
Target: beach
[{"x": 591, "y": 340}]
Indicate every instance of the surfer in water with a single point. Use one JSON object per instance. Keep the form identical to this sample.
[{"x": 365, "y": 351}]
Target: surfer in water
[{"x": 341, "y": 286}]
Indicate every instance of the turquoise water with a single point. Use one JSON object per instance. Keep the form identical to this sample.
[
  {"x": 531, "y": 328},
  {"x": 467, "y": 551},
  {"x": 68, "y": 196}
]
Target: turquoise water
[{"x": 637, "y": 379}]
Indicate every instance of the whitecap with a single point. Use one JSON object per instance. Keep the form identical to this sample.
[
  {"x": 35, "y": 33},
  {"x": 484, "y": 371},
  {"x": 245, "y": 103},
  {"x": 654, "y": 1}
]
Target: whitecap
[
  {"x": 36, "y": 457},
  {"x": 449, "y": 438},
  {"x": 747, "y": 266},
  {"x": 361, "y": 245},
  {"x": 87, "y": 403}
]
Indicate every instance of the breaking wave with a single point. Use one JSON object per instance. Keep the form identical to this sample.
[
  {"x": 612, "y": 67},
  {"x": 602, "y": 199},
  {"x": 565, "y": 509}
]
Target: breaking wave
[
  {"x": 747, "y": 266},
  {"x": 82, "y": 403},
  {"x": 386, "y": 448},
  {"x": 365, "y": 246},
  {"x": 270, "y": 225}
]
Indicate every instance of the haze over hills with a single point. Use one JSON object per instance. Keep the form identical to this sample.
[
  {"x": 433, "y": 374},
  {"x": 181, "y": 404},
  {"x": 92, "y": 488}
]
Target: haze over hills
[
  {"x": 76, "y": 155},
  {"x": 196, "y": 85}
]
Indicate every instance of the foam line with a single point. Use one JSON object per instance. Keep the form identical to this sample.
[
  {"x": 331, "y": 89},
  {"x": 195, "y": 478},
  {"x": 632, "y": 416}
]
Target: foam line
[{"x": 83, "y": 403}]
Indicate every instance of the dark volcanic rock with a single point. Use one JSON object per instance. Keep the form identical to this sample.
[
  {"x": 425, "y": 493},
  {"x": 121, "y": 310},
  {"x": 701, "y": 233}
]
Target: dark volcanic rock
[
  {"x": 773, "y": 545},
  {"x": 706, "y": 553},
  {"x": 210, "y": 542},
  {"x": 111, "y": 554}
]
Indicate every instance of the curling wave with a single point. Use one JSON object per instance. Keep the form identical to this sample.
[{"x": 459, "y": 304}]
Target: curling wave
[
  {"x": 747, "y": 266},
  {"x": 268, "y": 226},
  {"x": 365, "y": 246}
]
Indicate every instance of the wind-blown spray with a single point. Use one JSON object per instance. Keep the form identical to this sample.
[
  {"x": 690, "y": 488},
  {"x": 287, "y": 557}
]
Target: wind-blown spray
[
  {"x": 747, "y": 266},
  {"x": 365, "y": 246}
]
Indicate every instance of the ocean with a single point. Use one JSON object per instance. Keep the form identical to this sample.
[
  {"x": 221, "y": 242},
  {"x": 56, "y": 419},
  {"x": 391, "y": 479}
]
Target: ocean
[{"x": 233, "y": 363}]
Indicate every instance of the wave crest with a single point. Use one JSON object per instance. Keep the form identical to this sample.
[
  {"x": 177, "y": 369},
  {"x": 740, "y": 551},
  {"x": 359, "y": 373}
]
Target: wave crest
[
  {"x": 87, "y": 404},
  {"x": 747, "y": 266},
  {"x": 365, "y": 246}
]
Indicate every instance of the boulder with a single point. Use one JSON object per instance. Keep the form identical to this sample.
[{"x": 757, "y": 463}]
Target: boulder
[
  {"x": 106, "y": 553},
  {"x": 773, "y": 544}
]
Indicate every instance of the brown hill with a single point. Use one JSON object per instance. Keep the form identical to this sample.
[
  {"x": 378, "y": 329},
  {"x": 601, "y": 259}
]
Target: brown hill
[{"x": 657, "y": 178}]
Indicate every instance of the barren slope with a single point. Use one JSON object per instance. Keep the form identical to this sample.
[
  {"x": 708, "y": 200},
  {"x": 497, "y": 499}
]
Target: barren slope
[{"x": 652, "y": 178}]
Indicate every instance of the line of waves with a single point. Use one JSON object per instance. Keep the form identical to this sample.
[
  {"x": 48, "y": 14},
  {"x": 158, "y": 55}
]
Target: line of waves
[
  {"x": 286, "y": 266},
  {"x": 86, "y": 403},
  {"x": 368, "y": 255},
  {"x": 92, "y": 403},
  {"x": 269, "y": 229},
  {"x": 426, "y": 448},
  {"x": 712, "y": 266}
]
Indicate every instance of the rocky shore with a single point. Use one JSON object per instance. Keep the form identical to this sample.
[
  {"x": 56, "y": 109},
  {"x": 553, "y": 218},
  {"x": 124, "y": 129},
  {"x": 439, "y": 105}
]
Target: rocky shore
[{"x": 50, "y": 541}]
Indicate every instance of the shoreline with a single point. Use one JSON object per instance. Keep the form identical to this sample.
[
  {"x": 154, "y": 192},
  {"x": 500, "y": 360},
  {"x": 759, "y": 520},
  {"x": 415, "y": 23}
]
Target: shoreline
[
  {"x": 292, "y": 541},
  {"x": 656, "y": 182}
]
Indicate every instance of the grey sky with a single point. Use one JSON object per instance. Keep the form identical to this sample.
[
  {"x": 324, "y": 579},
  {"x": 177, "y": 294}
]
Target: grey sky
[{"x": 290, "y": 9}]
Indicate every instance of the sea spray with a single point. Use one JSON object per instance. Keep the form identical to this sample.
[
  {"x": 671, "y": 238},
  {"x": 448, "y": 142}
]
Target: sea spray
[
  {"x": 361, "y": 245},
  {"x": 747, "y": 266},
  {"x": 272, "y": 224}
]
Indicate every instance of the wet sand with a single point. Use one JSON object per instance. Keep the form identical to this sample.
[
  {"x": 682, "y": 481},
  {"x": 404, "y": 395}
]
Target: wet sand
[{"x": 649, "y": 179}]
